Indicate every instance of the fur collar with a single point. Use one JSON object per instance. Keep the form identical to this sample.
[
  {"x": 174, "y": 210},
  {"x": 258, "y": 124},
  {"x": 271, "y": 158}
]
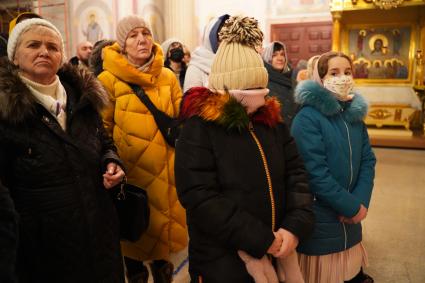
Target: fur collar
[
  {"x": 18, "y": 104},
  {"x": 227, "y": 111},
  {"x": 310, "y": 93},
  {"x": 96, "y": 61}
]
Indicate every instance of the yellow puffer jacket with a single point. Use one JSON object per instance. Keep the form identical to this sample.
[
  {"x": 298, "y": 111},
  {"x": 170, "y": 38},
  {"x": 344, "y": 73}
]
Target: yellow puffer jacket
[{"x": 148, "y": 159}]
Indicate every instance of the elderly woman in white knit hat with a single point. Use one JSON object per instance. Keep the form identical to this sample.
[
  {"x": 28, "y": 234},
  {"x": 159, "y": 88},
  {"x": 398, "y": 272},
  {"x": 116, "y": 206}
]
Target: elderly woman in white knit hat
[
  {"x": 238, "y": 172},
  {"x": 135, "y": 59},
  {"x": 56, "y": 162}
]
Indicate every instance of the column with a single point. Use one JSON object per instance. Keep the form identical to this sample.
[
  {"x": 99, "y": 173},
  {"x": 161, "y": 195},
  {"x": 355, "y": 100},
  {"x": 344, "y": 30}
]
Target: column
[
  {"x": 336, "y": 31},
  {"x": 179, "y": 17},
  {"x": 422, "y": 33}
]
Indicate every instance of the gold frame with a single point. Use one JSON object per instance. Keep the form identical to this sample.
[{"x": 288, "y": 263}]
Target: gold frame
[{"x": 411, "y": 56}]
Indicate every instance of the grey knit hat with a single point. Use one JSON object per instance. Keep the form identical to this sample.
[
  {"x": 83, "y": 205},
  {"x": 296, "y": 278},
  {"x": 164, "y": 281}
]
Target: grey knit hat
[{"x": 126, "y": 25}]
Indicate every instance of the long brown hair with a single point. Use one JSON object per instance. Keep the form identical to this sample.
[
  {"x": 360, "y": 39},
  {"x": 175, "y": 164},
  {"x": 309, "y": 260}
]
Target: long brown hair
[{"x": 323, "y": 63}]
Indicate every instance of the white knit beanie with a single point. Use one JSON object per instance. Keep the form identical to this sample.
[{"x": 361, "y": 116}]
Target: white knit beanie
[
  {"x": 24, "y": 26},
  {"x": 127, "y": 24},
  {"x": 166, "y": 45}
]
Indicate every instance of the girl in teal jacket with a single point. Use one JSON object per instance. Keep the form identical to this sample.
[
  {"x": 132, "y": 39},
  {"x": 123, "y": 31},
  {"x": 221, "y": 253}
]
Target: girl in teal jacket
[{"x": 333, "y": 141}]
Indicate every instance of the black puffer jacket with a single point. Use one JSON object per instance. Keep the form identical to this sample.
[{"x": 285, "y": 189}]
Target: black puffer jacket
[
  {"x": 68, "y": 229},
  {"x": 221, "y": 181},
  {"x": 281, "y": 86}
]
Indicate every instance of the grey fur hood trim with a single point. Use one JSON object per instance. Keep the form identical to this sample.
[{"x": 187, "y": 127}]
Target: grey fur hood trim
[
  {"x": 311, "y": 93},
  {"x": 18, "y": 104}
]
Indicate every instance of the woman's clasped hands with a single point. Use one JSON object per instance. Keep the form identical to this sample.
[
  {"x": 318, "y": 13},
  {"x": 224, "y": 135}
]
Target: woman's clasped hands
[
  {"x": 113, "y": 175},
  {"x": 261, "y": 269}
]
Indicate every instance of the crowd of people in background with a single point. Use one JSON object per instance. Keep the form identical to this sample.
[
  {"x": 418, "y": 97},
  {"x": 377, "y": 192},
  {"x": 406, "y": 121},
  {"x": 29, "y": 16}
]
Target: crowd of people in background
[{"x": 268, "y": 181}]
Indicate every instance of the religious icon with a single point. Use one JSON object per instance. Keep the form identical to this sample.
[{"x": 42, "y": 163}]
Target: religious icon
[
  {"x": 378, "y": 44},
  {"x": 386, "y": 48},
  {"x": 360, "y": 39},
  {"x": 397, "y": 42},
  {"x": 361, "y": 66},
  {"x": 93, "y": 31},
  {"x": 377, "y": 71}
]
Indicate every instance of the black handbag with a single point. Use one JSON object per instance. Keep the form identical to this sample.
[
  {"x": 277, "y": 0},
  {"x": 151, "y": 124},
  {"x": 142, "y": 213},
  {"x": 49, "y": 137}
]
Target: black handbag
[
  {"x": 168, "y": 126},
  {"x": 131, "y": 203}
]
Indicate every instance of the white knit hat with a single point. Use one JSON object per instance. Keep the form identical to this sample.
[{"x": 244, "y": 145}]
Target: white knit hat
[
  {"x": 166, "y": 45},
  {"x": 24, "y": 26}
]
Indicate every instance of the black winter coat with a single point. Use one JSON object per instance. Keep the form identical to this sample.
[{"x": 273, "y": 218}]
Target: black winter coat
[
  {"x": 221, "y": 181},
  {"x": 281, "y": 86},
  {"x": 68, "y": 228},
  {"x": 183, "y": 70},
  {"x": 8, "y": 237}
]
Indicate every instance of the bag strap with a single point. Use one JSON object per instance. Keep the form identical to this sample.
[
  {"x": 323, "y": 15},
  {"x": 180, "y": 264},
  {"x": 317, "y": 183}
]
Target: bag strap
[
  {"x": 121, "y": 194},
  {"x": 165, "y": 123},
  {"x": 140, "y": 93}
]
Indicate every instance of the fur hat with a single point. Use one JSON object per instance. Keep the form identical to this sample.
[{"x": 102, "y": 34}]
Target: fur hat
[
  {"x": 237, "y": 65},
  {"x": 24, "y": 26},
  {"x": 126, "y": 25}
]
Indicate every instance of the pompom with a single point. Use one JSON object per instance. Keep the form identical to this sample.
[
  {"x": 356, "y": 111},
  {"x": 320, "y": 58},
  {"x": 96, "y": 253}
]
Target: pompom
[{"x": 243, "y": 30}]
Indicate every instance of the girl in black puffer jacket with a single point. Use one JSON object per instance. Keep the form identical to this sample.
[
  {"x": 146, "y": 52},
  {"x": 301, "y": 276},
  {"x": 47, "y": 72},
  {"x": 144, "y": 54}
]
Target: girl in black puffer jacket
[{"x": 238, "y": 172}]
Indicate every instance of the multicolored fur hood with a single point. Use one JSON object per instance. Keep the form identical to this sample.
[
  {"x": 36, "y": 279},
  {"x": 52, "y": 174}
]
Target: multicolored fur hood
[
  {"x": 311, "y": 93},
  {"x": 226, "y": 111},
  {"x": 18, "y": 104}
]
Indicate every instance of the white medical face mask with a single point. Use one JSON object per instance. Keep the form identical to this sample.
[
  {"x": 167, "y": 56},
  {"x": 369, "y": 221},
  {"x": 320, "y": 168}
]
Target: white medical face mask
[{"x": 340, "y": 86}]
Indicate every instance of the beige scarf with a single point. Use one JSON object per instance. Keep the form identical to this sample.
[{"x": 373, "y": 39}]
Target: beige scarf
[{"x": 52, "y": 97}]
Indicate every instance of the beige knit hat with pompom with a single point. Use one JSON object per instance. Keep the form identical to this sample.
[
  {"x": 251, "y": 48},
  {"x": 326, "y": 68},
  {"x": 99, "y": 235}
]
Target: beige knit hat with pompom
[{"x": 237, "y": 65}]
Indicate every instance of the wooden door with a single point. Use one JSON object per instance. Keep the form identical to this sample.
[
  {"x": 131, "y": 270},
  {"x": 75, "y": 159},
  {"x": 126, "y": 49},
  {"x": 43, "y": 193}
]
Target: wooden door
[{"x": 303, "y": 40}]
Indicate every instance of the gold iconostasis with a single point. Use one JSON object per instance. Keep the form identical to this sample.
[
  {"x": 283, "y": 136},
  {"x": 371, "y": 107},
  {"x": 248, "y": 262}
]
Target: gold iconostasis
[{"x": 385, "y": 39}]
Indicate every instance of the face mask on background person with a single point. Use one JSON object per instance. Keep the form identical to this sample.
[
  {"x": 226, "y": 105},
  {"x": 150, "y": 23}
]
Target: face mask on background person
[
  {"x": 176, "y": 54},
  {"x": 340, "y": 86}
]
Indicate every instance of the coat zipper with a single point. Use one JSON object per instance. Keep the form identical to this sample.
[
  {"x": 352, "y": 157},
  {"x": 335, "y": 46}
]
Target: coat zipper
[
  {"x": 351, "y": 155},
  {"x": 266, "y": 169},
  {"x": 351, "y": 174},
  {"x": 345, "y": 236}
]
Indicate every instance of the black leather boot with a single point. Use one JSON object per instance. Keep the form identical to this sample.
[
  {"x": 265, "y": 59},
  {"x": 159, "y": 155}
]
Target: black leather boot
[
  {"x": 162, "y": 271},
  {"x": 137, "y": 272},
  {"x": 361, "y": 277}
]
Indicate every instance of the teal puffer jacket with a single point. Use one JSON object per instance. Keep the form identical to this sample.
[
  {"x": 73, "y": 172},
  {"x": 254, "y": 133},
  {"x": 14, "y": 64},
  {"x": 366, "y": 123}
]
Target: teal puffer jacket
[{"x": 333, "y": 141}]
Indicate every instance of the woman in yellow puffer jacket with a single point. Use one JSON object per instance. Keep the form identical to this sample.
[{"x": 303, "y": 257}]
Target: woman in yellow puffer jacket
[{"x": 148, "y": 159}]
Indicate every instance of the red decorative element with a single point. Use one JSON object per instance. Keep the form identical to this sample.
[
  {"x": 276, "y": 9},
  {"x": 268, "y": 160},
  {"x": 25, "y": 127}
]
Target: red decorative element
[
  {"x": 193, "y": 101},
  {"x": 269, "y": 114},
  {"x": 200, "y": 101}
]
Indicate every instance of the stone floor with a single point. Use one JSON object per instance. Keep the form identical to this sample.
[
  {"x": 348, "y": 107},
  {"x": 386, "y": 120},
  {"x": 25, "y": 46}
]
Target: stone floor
[{"x": 394, "y": 231}]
